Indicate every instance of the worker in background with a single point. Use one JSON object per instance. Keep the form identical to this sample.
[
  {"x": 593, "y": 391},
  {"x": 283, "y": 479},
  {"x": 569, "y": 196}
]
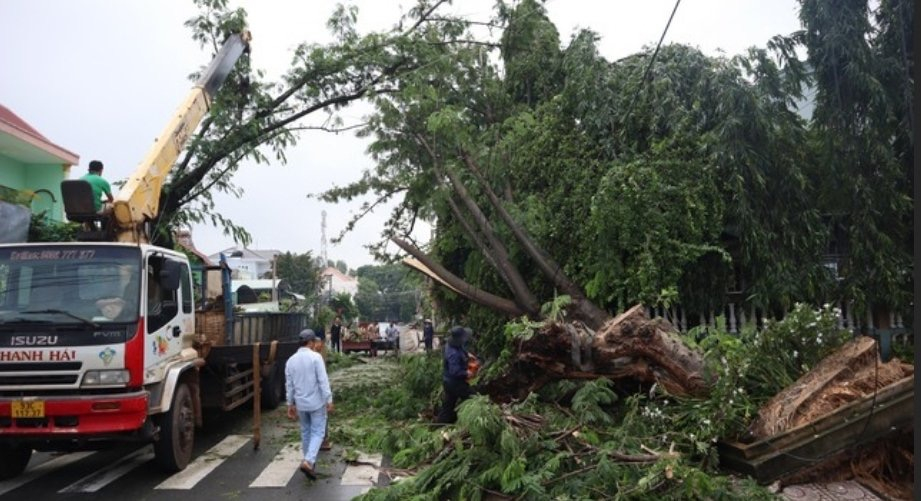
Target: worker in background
[
  {"x": 335, "y": 335},
  {"x": 456, "y": 374},
  {"x": 393, "y": 336},
  {"x": 309, "y": 398},
  {"x": 99, "y": 184},
  {"x": 428, "y": 334}
]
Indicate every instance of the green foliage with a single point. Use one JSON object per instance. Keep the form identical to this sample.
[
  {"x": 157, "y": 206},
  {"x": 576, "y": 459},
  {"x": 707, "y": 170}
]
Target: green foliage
[
  {"x": 589, "y": 402},
  {"x": 565, "y": 441},
  {"x": 42, "y": 229},
  {"x": 481, "y": 418},
  {"x": 300, "y": 271},
  {"x": 750, "y": 369},
  {"x": 386, "y": 292},
  {"x": 343, "y": 305},
  {"x": 715, "y": 182},
  {"x": 793, "y": 346},
  {"x": 324, "y": 318},
  {"x": 336, "y": 361}
]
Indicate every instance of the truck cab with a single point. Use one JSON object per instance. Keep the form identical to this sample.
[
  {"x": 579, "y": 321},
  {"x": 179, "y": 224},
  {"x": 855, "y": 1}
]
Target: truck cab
[{"x": 89, "y": 335}]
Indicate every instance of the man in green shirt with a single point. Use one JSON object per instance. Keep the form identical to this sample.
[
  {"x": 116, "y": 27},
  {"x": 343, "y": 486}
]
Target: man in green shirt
[{"x": 100, "y": 185}]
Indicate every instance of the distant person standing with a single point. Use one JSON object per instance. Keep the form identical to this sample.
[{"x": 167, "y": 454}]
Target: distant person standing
[
  {"x": 428, "y": 334},
  {"x": 335, "y": 335},
  {"x": 393, "y": 336},
  {"x": 309, "y": 398},
  {"x": 99, "y": 184}
]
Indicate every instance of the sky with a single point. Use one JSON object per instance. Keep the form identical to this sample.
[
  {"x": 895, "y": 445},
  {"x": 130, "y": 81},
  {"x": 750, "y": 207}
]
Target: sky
[{"x": 102, "y": 77}]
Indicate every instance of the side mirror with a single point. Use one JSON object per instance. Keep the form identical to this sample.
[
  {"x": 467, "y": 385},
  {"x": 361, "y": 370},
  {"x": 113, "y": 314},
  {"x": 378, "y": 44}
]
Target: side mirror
[{"x": 169, "y": 275}]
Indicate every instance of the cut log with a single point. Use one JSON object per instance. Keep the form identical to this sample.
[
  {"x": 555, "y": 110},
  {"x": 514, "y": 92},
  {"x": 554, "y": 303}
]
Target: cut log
[
  {"x": 850, "y": 373},
  {"x": 820, "y": 427},
  {"x": 656, "y": 353}
]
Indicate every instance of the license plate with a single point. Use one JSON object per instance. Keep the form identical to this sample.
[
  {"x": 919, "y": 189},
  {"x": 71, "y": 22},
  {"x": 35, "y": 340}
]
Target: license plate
[{"x": 28, "y": 409}]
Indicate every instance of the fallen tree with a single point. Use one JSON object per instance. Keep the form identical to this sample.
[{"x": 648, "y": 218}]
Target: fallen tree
[{"x": 628, "y": 348}]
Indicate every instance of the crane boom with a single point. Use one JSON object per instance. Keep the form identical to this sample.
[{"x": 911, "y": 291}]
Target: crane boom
[{"x": 139, "y": 199}]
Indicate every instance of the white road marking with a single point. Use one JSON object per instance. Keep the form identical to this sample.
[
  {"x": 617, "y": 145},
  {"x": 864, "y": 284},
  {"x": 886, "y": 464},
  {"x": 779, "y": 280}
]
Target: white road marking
[
  {"x": 47, "y": 466},
  {"x": 110, "y": 473},
  {"x": 362, "y": 474},
  {"x": 204, "y": 464},
  {"x": 283, "y": 466}
]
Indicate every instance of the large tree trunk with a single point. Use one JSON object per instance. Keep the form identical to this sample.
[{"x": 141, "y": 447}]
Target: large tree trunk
[
  {"x": 629, "y": 348},
  {"x": 490, "y": 244},
  {"x": 582, "y": 309},
  {"x": 457, "y": 284}
]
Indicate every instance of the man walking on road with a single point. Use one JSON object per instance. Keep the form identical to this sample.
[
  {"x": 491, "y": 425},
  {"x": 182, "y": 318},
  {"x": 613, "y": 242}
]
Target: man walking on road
[{"x": 309, "y": 398}]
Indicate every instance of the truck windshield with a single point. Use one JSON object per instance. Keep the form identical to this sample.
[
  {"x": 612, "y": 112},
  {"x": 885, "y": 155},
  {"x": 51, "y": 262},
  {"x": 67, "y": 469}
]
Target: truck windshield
[{"x": 69, "y": 284}]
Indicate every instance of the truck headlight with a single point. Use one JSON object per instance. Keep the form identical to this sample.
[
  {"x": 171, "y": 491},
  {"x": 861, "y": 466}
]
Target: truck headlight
[{"x": 105, "y": 378}]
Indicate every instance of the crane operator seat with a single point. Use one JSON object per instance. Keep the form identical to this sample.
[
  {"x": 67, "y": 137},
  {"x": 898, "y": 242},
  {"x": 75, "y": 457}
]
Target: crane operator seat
[{"x": 78, "y": 204}]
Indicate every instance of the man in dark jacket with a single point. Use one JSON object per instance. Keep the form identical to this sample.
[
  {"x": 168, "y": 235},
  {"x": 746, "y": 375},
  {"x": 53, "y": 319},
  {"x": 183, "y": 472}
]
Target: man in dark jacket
[
  {"x": 335, "y": 334},
  {"x": 455, "y": 374},
  {"x": 428, "y": 334}
]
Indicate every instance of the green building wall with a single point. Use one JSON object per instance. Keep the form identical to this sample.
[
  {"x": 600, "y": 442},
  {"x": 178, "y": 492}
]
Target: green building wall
[{"x": 34, "y": 177}]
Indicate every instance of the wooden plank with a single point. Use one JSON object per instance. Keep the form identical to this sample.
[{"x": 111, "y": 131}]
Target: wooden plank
[
  {"x": 851, "y": 410},
  {"x": 772, "y": 457}
]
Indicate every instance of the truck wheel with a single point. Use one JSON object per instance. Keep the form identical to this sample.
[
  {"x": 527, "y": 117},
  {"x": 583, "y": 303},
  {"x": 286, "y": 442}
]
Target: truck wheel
[
  {"x": 173, "y": 450},
  {"x": 14, "y": 460},
  {"x": 273, "y": 388}
]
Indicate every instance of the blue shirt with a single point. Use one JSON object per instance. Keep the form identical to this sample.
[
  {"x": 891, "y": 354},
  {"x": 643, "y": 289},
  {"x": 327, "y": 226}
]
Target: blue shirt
[
  {"x": 306, "y": 381},
  {"x": 455, "y": 364}
]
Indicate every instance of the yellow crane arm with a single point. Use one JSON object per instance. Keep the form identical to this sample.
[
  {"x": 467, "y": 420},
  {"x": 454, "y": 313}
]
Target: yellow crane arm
[{"x": 139, "y": 199}]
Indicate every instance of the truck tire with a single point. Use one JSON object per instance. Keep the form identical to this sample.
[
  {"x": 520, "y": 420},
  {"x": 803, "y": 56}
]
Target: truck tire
[
  {"x": 273, "y": 387},
  {"x": 173, "y": 449},
  {"x": 13, "y": 460}
]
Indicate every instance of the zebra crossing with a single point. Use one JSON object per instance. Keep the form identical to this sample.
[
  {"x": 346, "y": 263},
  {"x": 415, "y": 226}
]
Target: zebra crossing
[{"x": 102, "y": 473}]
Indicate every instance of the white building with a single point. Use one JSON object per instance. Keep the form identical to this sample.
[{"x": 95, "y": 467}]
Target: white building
[
  {"x": 248, "y": 264},
  {"x": 333, "y": 279}
]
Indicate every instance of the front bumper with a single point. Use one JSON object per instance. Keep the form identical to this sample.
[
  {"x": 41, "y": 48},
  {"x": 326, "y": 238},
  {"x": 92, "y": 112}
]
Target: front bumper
[{"x": 75, "y": 416}]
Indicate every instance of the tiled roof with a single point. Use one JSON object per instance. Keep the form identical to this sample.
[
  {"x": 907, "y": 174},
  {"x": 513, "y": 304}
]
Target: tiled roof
[
  {"x": 14, "y": 125},
  {"x": 338, "y": 274}
]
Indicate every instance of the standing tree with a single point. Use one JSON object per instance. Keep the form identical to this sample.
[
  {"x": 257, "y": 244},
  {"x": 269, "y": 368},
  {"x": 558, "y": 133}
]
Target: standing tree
[
  {"x": 300, "y": 271},
  {"x": 253, "y": 120}
]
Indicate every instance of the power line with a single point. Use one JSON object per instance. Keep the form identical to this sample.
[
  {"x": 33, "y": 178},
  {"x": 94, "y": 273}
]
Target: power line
[{"x": 651, "y": 61}]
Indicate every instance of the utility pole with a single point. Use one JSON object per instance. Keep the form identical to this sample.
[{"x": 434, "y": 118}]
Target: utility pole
[{"x": 323, "y": 244}]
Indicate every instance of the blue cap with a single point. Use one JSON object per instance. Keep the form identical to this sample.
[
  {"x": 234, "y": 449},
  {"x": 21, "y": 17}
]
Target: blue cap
[
  {"x": 307, "y": 335},
  {"x": 458, "y": 332}
]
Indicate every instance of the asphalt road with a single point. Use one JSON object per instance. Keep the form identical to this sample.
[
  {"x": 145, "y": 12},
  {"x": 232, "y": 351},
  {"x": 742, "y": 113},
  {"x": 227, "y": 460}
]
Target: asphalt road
[{"x": 224, "y": 466}]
